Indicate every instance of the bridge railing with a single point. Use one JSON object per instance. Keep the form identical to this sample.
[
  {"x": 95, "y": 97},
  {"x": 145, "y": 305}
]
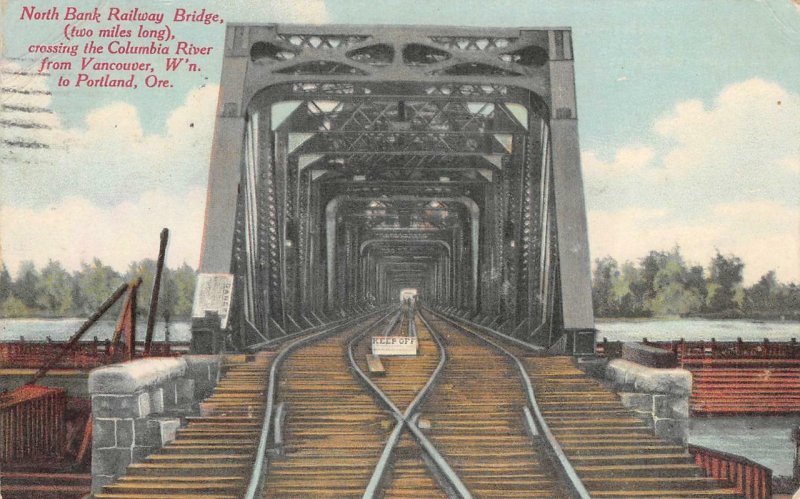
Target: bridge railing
[
  {"x": 751, "y": 480},
  {"x": 84, "y": 355},
  {"x": 696, "y": 351}
]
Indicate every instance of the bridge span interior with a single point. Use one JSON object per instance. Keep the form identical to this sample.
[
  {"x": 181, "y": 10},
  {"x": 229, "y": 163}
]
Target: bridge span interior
[{"x": 351, "y": 163}]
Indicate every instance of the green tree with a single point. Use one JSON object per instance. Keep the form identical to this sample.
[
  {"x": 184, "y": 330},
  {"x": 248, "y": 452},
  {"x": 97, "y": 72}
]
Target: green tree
[
  {"x": 606, "y": 275},
  {"x": 790, "y": 299},
  {"x": 650, "y": 265},
  {"x": 672, "y": 294},
  {"x": 725, "y": 277},
  {"x": 95, "y": 283},
  {"x": 185, "y": 279},
  {"x": 632, "y": 291},
  {"x": 696, "y": 282},
  {"x": 763, "y": 295},
  {"x": 26, "y": 287},
  {"x": 6, "y": 283},
  {"x": 55, "y": 289},
  {"x": 177, "y": 288},
  {"x": 13, "y": 307},
  {"x": 769, "y": 295}
]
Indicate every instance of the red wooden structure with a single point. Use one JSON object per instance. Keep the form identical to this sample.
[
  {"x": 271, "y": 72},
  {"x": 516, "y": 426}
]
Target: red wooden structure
[
  {"x": 32, "y": 423},
  {"x": 39, "y": 433},
  {"x": 735, "y": 377},
  {"x": 752, "y": 480},
  {"x": 727, "y": 352},
  {"x": 84, "y": 356}
]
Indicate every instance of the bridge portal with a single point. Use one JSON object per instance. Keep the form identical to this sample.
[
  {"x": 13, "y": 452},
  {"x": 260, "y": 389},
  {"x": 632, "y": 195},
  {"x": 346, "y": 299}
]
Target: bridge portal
[{"x": 352, "y": 162}]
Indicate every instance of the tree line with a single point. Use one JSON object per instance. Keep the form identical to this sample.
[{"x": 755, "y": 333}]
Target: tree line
[
  {"x": 52, "y": 291},
  {"x": 660, "y": 284},
  {"x": 663, "y": 284}
]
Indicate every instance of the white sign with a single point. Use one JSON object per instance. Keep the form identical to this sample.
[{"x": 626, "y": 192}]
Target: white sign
[
  {"x": 394, "y": 345},
  {"x": 213, "y": 294}
]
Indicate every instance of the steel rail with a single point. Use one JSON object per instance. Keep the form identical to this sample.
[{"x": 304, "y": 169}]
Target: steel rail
[
  {"x": 390, "y": 325},
  {"x": 265, "y": 345},
  {"x": 257, "y": 472},
  {"x": 405, "y": 418},
  {"x": 572, "y": 478},
  {"x": 516, "y": 341},
  {"x": 412, "y": 326}
]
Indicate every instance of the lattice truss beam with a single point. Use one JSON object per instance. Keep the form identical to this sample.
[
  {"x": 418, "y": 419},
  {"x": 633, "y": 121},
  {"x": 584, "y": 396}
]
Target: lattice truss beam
[
  {"x": 518, "y": 53},
  {"x": 414, "y": 215},
  {"x": 360, "y": 136}
]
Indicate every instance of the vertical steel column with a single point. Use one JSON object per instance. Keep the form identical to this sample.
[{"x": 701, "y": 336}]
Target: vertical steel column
[
  {"x": 513, "y": 235},
  {"x": 330, "y": 250},
  {"x": 226, "y": 155},
  {"x": 573, "y": 245},
  {"x": 281, "y": 140},
  {"x": 304, "y": 250},
  {"x": 316, "y": 267},
  {"x": 269, "y": 244}
]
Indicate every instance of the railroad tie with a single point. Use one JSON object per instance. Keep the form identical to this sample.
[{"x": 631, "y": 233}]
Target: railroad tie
[{"x": 212, "y": 455}]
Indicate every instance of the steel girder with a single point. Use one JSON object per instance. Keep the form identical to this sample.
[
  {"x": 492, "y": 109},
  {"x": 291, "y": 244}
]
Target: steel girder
[{"x": 491, "y": 110}]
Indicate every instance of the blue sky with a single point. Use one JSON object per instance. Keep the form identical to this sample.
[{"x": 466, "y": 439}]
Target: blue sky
[{"x": 689, "y": 116}]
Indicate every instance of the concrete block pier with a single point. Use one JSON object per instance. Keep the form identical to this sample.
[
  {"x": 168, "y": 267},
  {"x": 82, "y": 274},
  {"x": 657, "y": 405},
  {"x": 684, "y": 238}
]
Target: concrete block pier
[
  {"x": 659, "y": 396},
  {"x": 137, "y": 408}
]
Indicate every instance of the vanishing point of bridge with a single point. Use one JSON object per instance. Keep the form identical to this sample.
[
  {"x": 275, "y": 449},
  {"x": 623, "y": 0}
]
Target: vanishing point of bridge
[{"x": 355, "y": 165}]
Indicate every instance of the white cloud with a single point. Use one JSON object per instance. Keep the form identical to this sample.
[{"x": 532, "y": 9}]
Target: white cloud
[
  {"x": 110, "y": 158},
  {"x": 765, "y": 234},
  {"x": 752, "y": 125},
  {"x": 75, "y": 230},
  {"x": 791, "y": 163},
  {"x": 627, "y": 160},
  {"x": 105, "y": 188},
  {"x": 721, "y": 175}
]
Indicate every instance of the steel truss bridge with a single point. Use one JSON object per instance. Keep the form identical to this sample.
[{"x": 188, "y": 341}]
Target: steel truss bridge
[
  {"x": 350, "y": 163},
  {"x": 350, "y": 166}
]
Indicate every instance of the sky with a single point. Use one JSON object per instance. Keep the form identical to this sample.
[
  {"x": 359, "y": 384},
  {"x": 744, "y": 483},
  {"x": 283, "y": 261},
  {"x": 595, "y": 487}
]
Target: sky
[{"x": 688, "y": 114}]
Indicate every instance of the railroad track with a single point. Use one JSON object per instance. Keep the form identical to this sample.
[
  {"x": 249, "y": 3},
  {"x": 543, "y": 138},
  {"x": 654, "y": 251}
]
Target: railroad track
[
  {"x": 334, "y": 431},
  {"x": 340, "y": 439},
  {"x": 478, "y": 422},
  {"x": 471, "y": 415},
  {"x": 612, "y": 452},
  {"x": 410, "y": 466},
  {"x": 218, "y": 454}
]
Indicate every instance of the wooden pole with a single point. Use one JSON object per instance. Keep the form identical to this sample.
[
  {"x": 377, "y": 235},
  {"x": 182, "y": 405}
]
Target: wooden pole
[
  {"x": 130, "y": 332},
  {"x": 79, "y": 333},
  {"x": 151, "y": 318},
  {"x": 126, "y": 323}
]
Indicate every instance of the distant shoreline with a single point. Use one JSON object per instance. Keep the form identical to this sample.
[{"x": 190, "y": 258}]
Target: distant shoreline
[
  {"x": 110, "y": 318},
  {"x": 720, "y": 316}
]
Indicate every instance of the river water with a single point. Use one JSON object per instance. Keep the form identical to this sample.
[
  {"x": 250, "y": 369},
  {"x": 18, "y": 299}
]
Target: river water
[
  {"x": 614, "y": 330},
  {"x": 62, "y": 330},
  {"x": 766, "y": 440},
  {"x": 696, "y": 329}
]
